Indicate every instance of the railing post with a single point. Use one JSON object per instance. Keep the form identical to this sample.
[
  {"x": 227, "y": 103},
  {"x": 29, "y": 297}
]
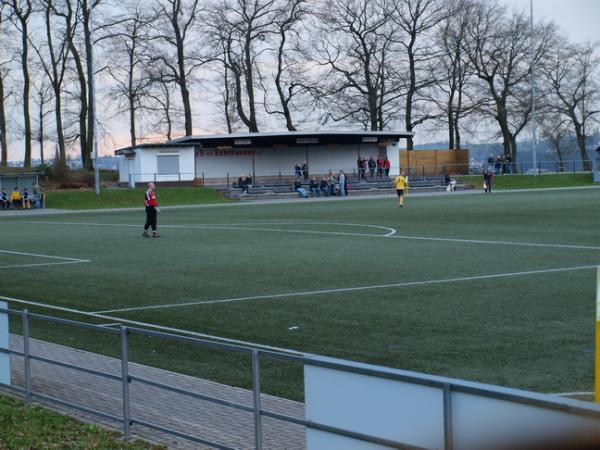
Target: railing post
[
  {"x": 125, "y": 381},
  {"x": 227, "y": 180},
  {"x": 256, "y": 392},
  {"x": 448, "y": 439},
  {"x": 26, "y": 355}
]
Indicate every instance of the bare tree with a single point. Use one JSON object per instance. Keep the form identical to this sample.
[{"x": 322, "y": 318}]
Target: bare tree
[
  {"x": 127, "y": 42},
  {"x": 4, "y": 93},
  {"x": 456, "y": 73},
  {"x": 177, "y": 50},
  {"x": 240, "y": 28},
  {"x": 44, "y": 96},
  {"x": 288, "y": 75},
  {"x": 54, "y": 61},
  {"x": 354, "y": 43},
  {"x": 555, "y": 128},
  {"x": 572, "y": 75},
  {"x": 498, "y": 47},
  {"x": 20, "y": 12},
  {"x": 417, "y": 19}
]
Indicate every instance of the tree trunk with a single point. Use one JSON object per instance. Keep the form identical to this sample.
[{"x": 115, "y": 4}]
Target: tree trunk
[
  {"x": 41, "y": 130},
  {"x": 581, "y": 145},
  {"x": 3, "y": 139},
  {"x": 249, "y": 78},
  {"x": 26, "y": 89},
  {"x": 83, "y": 112},
  {"x": 91, "y": 113}
]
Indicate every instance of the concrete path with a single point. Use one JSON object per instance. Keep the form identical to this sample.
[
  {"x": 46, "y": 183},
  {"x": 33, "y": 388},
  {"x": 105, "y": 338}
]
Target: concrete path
[{"x": 223, "y": 425}]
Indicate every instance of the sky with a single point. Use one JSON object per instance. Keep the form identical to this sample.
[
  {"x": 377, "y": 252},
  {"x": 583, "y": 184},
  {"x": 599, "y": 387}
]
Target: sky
[{"x": 579, "y": 19}]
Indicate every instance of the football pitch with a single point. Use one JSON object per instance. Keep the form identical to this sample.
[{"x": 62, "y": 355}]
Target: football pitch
[{"x": 498, "y": 288}]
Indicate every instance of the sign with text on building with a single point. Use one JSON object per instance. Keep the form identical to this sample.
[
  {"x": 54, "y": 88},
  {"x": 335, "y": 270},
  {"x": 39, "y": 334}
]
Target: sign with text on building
[{"x": 4, "y": 345}]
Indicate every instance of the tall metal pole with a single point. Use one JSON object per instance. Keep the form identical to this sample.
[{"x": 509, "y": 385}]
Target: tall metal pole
[
  {"x": 93, "y": 98},
  {"x": 532, "y": 52}
]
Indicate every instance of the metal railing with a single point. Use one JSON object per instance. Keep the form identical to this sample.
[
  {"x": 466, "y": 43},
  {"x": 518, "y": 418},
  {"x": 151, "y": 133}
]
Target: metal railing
[{"x": 125, "y": 379}]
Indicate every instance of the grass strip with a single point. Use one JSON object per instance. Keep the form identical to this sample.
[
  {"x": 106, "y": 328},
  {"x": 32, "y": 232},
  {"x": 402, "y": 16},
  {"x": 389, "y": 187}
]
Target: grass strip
[
  {"x": 23, "y": 427},
  {"x": 542, "y": 181},
  {"x": 130, "y": 198}
]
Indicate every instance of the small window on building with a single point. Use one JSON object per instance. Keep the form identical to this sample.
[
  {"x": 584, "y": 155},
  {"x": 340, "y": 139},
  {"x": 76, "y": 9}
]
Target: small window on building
[{"x": 167, "y": 164}]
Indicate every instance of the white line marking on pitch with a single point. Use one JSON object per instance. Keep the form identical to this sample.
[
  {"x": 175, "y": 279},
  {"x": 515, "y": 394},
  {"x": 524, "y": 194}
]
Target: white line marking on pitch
[
  {"x": 339, "y": 233},
  {"x": 243, "y": 226},
  {"x": 65, "y": 258},
  {"x": 17, "y": 266},
  {"x": 351, "y": 289},
  {"x": 571, "y": 394},
  {"x": 151, "y": 326}
]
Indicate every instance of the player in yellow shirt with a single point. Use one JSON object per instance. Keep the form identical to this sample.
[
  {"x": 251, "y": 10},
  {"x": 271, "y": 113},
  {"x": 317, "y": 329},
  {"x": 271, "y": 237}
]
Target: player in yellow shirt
[{"x": 401, "y": 184}]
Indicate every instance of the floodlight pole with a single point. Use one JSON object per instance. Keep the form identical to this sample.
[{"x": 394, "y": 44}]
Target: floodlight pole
[
  {"x": 532, "y": 54},
  {"x": 95, "y": 155},
  {"x": 597, "y": 356}
]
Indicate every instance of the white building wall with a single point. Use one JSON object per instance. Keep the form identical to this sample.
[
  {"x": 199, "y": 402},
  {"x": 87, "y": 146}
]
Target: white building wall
[
  {"x": 213, "y": 163},
  {"x": 271, "y": 161},
  {"x": 144, "y": 168}
]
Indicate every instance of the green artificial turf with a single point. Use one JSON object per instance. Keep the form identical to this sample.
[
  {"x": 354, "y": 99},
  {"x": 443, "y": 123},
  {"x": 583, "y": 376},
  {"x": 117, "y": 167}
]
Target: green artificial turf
[
  {"x": 479, "y": 305},
  {"x": 23, "y": 427},
  {"x": 129, "y": 198}
]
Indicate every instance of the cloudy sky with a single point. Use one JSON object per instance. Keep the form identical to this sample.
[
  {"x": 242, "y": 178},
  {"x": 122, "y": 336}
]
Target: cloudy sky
[{"x": 579, "y": 19}]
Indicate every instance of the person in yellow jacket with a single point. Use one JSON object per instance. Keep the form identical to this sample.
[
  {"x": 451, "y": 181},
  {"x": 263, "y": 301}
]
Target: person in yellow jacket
[
  {"x": 401, "y": 184},
  {"x": 15, "y": 198}
]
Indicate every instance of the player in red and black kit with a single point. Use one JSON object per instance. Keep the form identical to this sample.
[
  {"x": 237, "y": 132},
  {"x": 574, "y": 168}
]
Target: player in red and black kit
[{"x": 151, "y": 210}]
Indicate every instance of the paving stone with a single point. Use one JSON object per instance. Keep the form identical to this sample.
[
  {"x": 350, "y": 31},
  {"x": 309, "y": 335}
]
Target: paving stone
[{"x": 200, "y": 418}]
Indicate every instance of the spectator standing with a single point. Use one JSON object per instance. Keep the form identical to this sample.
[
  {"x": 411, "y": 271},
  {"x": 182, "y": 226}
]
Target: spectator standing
[
  {"x": 401, "y": 185},
  {"x": 490, "y": 162},
  {"x": 15, "y": 198},
  {"x": 372, "y": 165},
  {"x": 4, "y": 199},
  {"x": 343, "y": 183},
  {"x": 297, "y": 170},
  {"x": 305, "y": 170},
  {"x": 487, "y": 181},
  {"x": 362, "y": 168},
  {"x": 37, "y": 196},
  {"x": 152, "y": 210},
  {"x": 379, "y": 167},
  {"x": 387, "y": 164},
  {"x": 509, "y": 162},
  {"x": 331, "y": 184},
  {"x": 498, "y": 164}
]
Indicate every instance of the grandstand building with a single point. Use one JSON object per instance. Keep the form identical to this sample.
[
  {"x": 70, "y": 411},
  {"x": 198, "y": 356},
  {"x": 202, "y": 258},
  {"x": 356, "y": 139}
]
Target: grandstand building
[{"x": 215, "y": 159}]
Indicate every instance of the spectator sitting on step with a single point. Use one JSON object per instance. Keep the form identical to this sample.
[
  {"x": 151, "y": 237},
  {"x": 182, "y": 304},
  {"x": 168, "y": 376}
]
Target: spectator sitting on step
[
  {"x": 15, "y": 198},
  {"x": 314, "y": 187},
  {"x": 244, "y": 183},
  {"x": 4, "y": 199},
  {"x": 324, "y": 187},
  {"x": 299, "y": 189},
  {"x": 25, "y": 199}
]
